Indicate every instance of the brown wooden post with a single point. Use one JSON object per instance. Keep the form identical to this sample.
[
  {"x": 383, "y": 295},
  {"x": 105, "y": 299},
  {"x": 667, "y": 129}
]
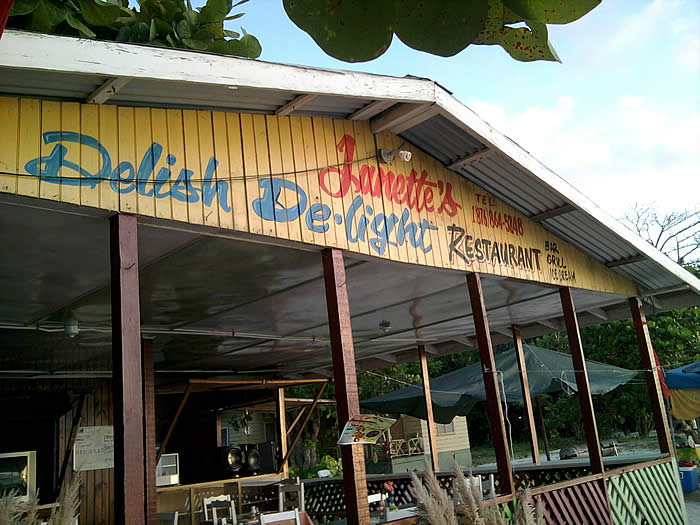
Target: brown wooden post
[
  {"x": 544, "y": 430},
  {"x": 493, "y": 395},
  {"x": 282, "y": 430},
  {"x": 149, "y": 430},
  {"x": 590, "y": 426},
  {"x": 129, "y": 481},
  {"x": 656, "y": 397},
  {"x": 527, "y": 400},
  {"x": 432, "y": 429},
  {"x": 345, "y": 376}
]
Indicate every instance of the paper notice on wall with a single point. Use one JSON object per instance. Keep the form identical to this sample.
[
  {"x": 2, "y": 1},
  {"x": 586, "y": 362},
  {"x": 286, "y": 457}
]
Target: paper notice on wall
[
  {"x": 364, "y": 429},
  {"x": 94, "y": 448}
]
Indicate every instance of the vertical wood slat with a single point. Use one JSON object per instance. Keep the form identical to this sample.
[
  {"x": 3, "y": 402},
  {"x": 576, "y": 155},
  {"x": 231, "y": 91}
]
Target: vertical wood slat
[
  {"x": 347, "y": 396},
  {"x": 527, "y": 400},
  {"x": 584, "y": 392},
  {"x": 646, "y": 351},
  {"x": 126, "y": 372},
  {"x": 149, "y": 428},
  {"x": 282, "y": 429},
  {"x": 432, "y": 429},
  {"x": 493, "y": 397}
]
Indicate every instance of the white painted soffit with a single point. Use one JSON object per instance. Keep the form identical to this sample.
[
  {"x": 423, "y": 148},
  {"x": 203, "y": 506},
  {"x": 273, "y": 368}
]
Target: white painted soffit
[
  {"x": 464, "y": 117},
  {"x": 41, "y": 52}
]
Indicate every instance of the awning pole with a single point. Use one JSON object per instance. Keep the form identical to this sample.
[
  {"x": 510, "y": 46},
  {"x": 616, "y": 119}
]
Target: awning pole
[
  {"x": 656, "y": 398},
  {"x": 282, "y": 430},
  {"x": 527, "y": 400},
  {"x": 345, "y": 375},
  {"x": 590, "y": 426},
  {"x": 432, "y": 429},
  {"x": 493, "y": 396}
]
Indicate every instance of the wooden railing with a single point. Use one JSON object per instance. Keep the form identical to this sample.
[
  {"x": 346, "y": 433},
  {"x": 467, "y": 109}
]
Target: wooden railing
[{"x": 569, "y": 493}]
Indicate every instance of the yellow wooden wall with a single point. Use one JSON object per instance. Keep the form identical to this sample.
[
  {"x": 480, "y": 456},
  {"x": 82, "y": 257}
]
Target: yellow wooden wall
[{"x": 256, "y": 150}]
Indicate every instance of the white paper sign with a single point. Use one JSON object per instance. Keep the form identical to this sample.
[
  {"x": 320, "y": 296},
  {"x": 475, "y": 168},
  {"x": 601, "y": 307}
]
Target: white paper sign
[
  {"x": 365, "y": 429},
  {"x": 93, "y": 448}
]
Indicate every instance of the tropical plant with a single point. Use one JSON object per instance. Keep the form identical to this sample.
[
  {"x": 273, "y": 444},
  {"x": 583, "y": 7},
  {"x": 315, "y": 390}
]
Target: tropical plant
[
  {"x": 168, "y": 23},
  {"x": 360, "y": 30},
  {"x": 468, "y": 507}
]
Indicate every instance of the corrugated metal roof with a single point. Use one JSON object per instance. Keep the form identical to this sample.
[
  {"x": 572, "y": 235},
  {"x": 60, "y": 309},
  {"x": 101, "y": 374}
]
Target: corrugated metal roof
[{"x": 50, "y": 66}]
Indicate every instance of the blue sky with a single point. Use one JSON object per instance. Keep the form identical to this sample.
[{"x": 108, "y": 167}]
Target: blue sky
[{"x": 618, "y": 118}]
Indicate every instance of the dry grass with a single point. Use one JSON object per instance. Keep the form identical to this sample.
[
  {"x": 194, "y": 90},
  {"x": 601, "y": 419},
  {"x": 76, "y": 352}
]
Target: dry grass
[
  {"x": 16, "y": 511},
  {"x": 434, "y": 506}
]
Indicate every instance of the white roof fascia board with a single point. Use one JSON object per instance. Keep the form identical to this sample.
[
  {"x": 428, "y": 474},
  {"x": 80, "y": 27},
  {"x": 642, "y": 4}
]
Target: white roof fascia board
[
  {"x": 41, "y": 52},
  {"x": 475, "y": 126}
]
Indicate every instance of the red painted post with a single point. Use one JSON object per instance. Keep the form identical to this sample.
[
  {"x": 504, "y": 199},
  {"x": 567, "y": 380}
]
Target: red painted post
[
  {"x": 646, "y": 351},
  {"x": 590, "y": 426},
  {"x": 129, "y": 481},
  {"x": 345, "y": 376},
  {"x": 149, "y": 428},
  {"x": 493, "y": 396}
]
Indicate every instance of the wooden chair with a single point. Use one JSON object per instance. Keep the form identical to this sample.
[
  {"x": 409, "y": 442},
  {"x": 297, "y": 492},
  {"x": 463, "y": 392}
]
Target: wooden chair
[
  {"x": 220, "y": 503},
  {"x": 281, "y": 516}
]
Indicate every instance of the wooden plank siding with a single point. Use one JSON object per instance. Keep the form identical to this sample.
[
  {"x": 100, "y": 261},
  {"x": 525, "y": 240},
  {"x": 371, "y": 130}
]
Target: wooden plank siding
[
  {"x": 96, "y": 491},
  {"x": 311, "y": 179}
]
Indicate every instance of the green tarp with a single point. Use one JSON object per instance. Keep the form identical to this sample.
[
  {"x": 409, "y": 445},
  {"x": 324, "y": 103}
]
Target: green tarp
[{"x": 456, "y": 393}]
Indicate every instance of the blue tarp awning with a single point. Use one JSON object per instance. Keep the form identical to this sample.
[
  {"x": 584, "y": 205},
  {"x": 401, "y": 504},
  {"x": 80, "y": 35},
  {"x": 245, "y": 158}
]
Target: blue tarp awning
[{"x": 684, "y": 377}]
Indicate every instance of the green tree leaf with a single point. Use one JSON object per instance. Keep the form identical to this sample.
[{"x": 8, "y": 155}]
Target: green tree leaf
[
  {"x": 99, "y": 13},
  {"x": 75, "y": 23},
  {"x": 551, "y": 11},
  {"x": 47, "y": 16},
  {"x": 248, "y": 46},
  {"x": 23, "y": 7},
  {"x": 351, "y": 31},
  {"x": 430, "y": 27}
]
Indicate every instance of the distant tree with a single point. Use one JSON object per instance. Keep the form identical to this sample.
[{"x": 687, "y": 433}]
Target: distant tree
[{"x": 677, "y": 234}]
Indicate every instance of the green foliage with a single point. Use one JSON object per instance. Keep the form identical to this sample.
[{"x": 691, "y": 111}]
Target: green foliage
[
  {"x": 167, "y": 23},
  {"x": 676, "y": 339},
  {"x": 363, "y": 29},
  {"x": 327, "y": 462}
]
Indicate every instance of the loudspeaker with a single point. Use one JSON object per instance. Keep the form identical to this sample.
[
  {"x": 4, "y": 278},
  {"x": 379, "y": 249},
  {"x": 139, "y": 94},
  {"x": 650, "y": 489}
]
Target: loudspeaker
[
  {"x": 231, "y": 460},
  {"x": 269, "y": 461}
]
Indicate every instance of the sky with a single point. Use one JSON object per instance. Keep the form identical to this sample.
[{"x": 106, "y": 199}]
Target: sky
[{"x": 618, "y": 118}]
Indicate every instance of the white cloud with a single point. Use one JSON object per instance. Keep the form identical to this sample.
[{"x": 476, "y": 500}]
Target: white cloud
[{"x": 630, "y": 152}]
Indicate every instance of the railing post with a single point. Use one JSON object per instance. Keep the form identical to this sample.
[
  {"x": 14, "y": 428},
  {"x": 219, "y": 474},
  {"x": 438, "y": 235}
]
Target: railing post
[
  {"x": 129, "y": 481},
  {"x": 584, "y": 391},
  {"x": 646, "y": 351},
  {"x": 282, "y": 432},
  {"x": 493, "y": 396},
  {"x": 432, "y": 429},
  {"x": 345, "y": 376},
  {"x": 527, "y": 400}
]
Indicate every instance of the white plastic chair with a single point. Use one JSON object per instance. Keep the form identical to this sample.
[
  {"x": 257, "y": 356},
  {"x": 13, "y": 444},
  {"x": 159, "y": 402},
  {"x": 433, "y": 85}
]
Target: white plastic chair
[
  {"x": 223, "y": 502},
  {"x": 170, "y": 517},
  {"x": 281, "y": 516},
  {"x": 290, "y": 486}
]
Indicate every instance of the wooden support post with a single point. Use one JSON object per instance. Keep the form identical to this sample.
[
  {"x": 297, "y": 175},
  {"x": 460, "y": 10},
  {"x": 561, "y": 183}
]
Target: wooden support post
[
  {"x": 493, "y": 395},
  {"x": 129, "y": 481},
  {"x": 432, "y": 429},
  {"x": 296, "y": 420},
  {"x": 527, "y": 400},
  {"x": 590, "y": 427},
  {"x": 178, "y": 413},
  {"x": 149, "y": 430},
  {"x": 656, "y": 397},
  {"x": 68, "y": 454},
  {"x": 282, "y": 430},
  {"x": 544, "y": 429},
  {"x": 347, "y": 396},
  {"x": 290, "y": 449}
]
